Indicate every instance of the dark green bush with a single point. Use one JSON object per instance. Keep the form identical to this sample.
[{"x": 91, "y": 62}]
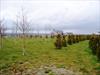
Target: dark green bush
[
  {"x": 64, "y": 41},
  {"x": 94, "y": 45},
  {"x": 58, "y": 42}
]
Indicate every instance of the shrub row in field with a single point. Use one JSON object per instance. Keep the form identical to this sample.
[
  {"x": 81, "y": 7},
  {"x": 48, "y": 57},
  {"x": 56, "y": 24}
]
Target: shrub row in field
[
  {"x": 94, "y": 45},
  {"x": 76, "y": 38},
  {"x": 60, "y": 41}
]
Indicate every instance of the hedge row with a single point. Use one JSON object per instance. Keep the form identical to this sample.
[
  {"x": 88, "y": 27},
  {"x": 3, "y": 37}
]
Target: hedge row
[
  {"x": 94, "y": 45},
  {"x": 76, "y": 38},
  {"x": 62, "y": 42}
]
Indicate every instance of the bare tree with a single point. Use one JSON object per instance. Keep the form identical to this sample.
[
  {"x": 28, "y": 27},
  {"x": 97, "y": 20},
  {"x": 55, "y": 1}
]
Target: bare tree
[
  {"x": 23, "y": 28},
  {"x": 15, "y": 27},
  {"x": 2, "y": 32}
]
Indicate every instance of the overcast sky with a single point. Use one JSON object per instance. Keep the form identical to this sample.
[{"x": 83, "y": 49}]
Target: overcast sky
[{"x": 78, "y": 16}]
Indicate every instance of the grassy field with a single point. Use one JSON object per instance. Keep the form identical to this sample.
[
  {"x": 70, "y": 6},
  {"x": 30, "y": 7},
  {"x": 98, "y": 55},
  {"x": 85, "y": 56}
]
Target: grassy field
[{"x": 40, "y": 51}]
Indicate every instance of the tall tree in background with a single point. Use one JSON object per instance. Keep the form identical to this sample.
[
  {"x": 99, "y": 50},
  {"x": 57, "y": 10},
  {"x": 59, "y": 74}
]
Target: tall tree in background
[
  {"x": 2, "y": 32},
  {"x": 23, "y": 28}
]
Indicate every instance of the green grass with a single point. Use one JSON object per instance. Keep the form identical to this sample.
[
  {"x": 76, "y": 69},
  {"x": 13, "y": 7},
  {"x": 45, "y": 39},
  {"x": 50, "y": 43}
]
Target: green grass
[{"x": 40, "y": 51}]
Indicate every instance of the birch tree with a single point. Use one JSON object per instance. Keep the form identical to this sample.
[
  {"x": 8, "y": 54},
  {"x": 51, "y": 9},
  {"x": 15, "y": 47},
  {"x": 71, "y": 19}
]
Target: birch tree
[{"x": 23, "y": 28}]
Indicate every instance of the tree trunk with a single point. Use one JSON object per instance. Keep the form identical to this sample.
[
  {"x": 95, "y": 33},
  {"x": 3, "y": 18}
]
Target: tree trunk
[
  {"x": 23, "y": 52},
  {"x": 1, "y": 41}
]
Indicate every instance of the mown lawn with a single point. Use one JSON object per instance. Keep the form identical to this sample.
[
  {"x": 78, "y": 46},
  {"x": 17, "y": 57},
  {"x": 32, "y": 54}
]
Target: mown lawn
[{"x": 41, "y": 51}]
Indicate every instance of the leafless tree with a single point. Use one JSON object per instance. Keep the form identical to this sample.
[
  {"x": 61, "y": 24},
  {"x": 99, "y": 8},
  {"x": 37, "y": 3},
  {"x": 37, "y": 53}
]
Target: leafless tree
[
  {"x": 23, "y": 28},
  {"x": 15, "y": 27},
  {"x": 2, "y": 32}
]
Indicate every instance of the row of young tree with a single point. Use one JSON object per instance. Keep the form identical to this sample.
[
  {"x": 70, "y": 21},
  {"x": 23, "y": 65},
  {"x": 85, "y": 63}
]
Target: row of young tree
[
  {"x": 21, "y": 28},
  {"x": 21, "y": 25},
  {"x": 71, "y": 39},
  {"x": 76, "y": 38},
  {"x": 94, "y": 45},
  {"x": 94, "y": 42}
]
